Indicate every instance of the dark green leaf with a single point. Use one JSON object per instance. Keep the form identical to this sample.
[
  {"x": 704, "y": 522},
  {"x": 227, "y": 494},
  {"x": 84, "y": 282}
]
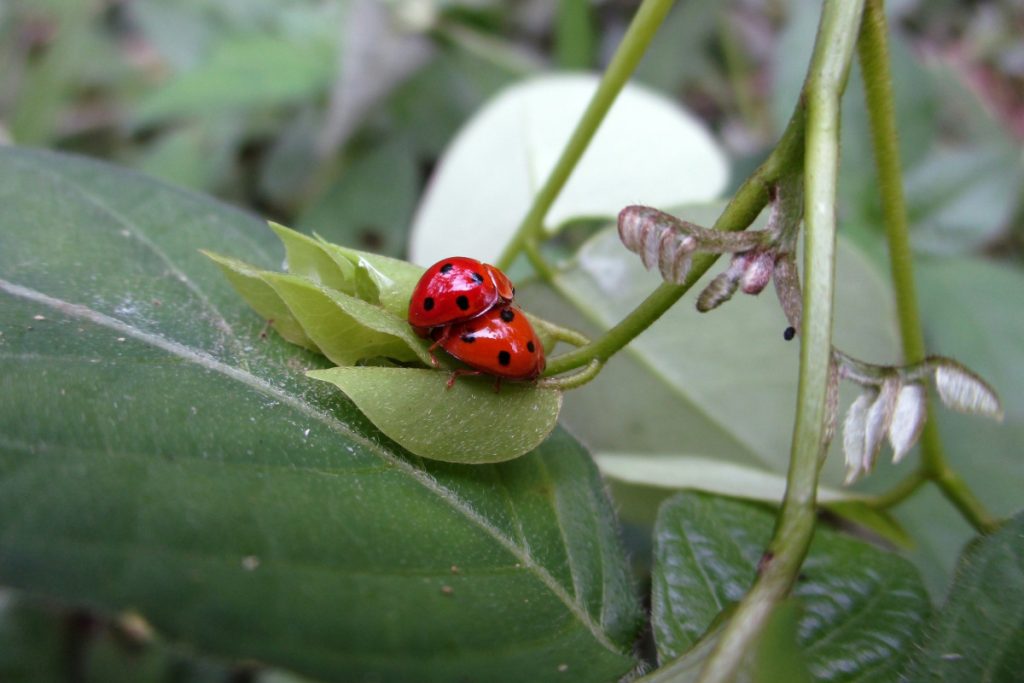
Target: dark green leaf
[
  {"x": 861, "y": 607},
  {"x": 157, "y": 455},
  {"x": 469, "y": 423},
  {"x": 979, "y": 635}
]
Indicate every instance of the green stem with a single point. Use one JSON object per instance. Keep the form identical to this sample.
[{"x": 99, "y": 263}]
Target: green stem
[
  {"x": 741, "y": 211},
  {"x": 826, "y": 80},
  {"x": 873, "y": 52},
  {"x": 900, "y": 492},
  {"x": 634, "y": 44}
]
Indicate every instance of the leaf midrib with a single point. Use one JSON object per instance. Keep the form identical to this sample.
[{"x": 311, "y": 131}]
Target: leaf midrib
[{"x": 210, "y": 363}]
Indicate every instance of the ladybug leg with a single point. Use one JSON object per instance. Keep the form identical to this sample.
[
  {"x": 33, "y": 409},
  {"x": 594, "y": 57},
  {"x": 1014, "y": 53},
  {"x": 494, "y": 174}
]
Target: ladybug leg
[
  {"x": 441, "y": 336},
  {"x": 458, "y": 373},
  {"x": 497, "y": 385}
]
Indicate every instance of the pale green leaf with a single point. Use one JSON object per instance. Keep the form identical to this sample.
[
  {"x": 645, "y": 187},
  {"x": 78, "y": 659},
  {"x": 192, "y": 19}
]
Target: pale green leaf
[
  {"x": 347, "y": 329},
  {"x": 308, "y": 258},
  {"x": 469, "y": 423},
  {"x": 248, "y": 282},
  {"x": 647, "y": 150}
]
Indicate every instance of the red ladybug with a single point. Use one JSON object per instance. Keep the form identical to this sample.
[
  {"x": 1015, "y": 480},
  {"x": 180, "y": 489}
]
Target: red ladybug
[
  {"x": 456, "y": 289},
  {"x": 501, "y": 342}
]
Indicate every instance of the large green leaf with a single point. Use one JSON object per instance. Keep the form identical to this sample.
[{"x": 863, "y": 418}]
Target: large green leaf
[
  {"x": 979, "y": 634},
  {"x": 157, "y": 454},
  {"x": 861, "y": 607}
]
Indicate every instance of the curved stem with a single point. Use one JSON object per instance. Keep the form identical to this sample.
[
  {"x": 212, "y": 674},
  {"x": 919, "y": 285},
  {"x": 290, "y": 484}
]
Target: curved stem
[
  {"x": 740, "y": 212},
  {"x": 905, "y": 488},
  {"x": 634, "y": 44},
  {"x": 873, "y": 52},
  {"x": 575, "y": 380},
  {"x": 826, "y": 79}
]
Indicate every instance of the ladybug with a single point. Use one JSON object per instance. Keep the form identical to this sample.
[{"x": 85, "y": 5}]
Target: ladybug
[
  {"x": 501, "y": 342},
  {"x": 456, "y": 289}
]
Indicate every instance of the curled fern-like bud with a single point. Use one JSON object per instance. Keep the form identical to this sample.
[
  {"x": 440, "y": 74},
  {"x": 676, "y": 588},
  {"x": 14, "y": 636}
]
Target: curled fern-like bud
[{"x": 659, "y": 238}]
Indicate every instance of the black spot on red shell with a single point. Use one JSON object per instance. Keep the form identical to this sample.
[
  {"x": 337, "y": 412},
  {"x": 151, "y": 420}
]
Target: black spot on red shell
[
  {"x": 504, "y": 357},
  {"x": 508, "y": 315},
  {"x": 446, "y": 267},
  {"x": 428, "y": 303},
  {"x": 468, "y": 338},
  {"x": 462, "y": 302},
  {"x": 478, "y": 278},
  {"x": 530, "y": 347}
]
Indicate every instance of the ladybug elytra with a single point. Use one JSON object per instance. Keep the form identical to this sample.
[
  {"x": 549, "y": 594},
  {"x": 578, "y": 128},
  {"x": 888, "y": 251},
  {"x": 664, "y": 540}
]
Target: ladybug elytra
[
  {"x": 501, "y": 342},
  {"x": 454, "y": 290}
]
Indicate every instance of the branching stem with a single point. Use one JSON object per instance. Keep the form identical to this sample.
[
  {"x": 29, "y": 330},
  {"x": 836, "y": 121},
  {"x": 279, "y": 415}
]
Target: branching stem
[
  {"x": 826, "y": 80},
  {"x": 873, "y": 52}
]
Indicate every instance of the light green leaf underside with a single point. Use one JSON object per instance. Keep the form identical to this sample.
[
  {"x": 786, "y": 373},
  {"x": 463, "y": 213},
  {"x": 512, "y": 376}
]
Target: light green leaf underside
[
  {"x": 491, "y": 171},
  {"x": 157, "y": 454},
  {"x": 469, "y": 423},
  {"x": 861, "y": 607},
  {"x": 979, "y": 634},
  {"x": 700, "y": 473}
]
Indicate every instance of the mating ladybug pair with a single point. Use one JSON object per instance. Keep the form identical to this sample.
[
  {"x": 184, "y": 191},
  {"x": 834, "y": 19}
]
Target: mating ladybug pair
[{"x": 465, "y": 306}]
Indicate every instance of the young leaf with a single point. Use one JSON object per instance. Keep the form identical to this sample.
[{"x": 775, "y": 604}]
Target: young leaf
[
  {"x": 861, "y": 607},
  {"x": 345, "y": 328},
  {"x": 307, "y": 257},
  {"x": 979, "y": 634},
  {"x": 248, "y": 282},
  {"x": 380, "y": 279},
  {"x": 469, "y": 423},
  {"x": 907, "y": 420},
  {"x": 156, "y": 454}
]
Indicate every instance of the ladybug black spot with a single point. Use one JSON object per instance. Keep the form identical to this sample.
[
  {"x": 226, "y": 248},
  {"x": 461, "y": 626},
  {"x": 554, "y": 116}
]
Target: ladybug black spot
[
  {"x": 428, "y": 303},
  {"x": 507, "y": 315},
  {"x": 446, "y": 267},
  {"x": 462, "y": 302},
  {"x": 468, "y": 338},
  {"x": 504, "y": 357},
  {"x": 789, "y": 333},
  {"x": 478, "y": 278},
  {"x": 530, "y": 347}
]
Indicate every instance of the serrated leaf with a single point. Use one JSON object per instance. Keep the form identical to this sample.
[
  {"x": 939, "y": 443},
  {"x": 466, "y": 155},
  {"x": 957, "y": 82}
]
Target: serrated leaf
[
  {"x": 861, "y": 607},
  {"x": 648, "y": 150},
  {"x": 469, "y": 423},
  {"x": 979, "y": 634},
  {"x": 156, "y": 454}
]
